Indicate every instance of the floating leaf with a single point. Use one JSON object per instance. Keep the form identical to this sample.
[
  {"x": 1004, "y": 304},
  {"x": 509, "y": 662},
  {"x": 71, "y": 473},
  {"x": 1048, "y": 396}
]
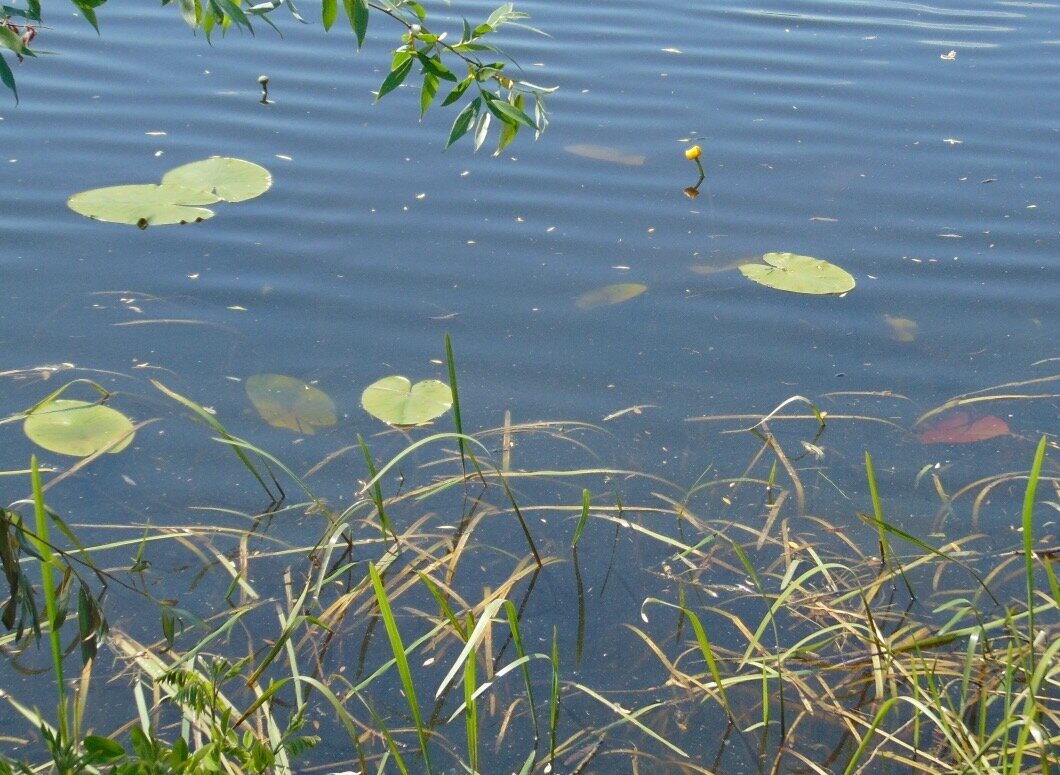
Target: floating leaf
[
  {"x": 962, "y": 428},
  {"x": 78, "y": 428},
  {"x": 605, "y": 153},
  {"x": 610, "y": 294},
  {"x": 179, "y": 198},
  {"x": 143, "y": 205},
  {"x": 232, "y": 180},
  {"x": 397, "y": 401},
  {"x": 902, "y": 329},
  {"x": 799, "y": 274},
  {"x": 285, "y": 402}
]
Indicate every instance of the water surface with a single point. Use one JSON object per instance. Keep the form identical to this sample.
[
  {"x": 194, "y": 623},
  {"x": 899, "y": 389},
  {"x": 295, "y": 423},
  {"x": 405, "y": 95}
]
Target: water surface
[{"x": 843, "y": 130}]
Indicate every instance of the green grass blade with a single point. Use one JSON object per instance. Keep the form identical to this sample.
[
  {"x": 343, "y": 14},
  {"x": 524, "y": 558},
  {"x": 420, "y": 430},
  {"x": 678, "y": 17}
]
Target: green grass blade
[
  {"x": 443, "y": 605},
  {"x": 344, "y": 716},
  {"x": 376, "y": 492},
  {"x": 471, "y": 710},
  {"x": 401, "y": 661},
  {"x": 477, "y": 634},
  {"x": 877, "y": 509},
  {"x": 1028, "y": 539},
  {"x": 522, "y": 520},
  {"x": 586, "y": 500},
  {"x": 412, "y": 448},
  {"x": 868, "y": 735},
  {"x": 579, "y": 593},
  {"x": 889, "y": 528},
  {"x": 458, "y": 423},
  {"x": 47, "y": 563},
  {"x": 553, "y": 702},
  {"x": 704, "y": 647},
  {"x": 520, "y": 650}
]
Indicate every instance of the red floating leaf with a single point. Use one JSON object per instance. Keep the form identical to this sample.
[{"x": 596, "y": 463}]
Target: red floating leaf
[{"x": 962, "y": 428}]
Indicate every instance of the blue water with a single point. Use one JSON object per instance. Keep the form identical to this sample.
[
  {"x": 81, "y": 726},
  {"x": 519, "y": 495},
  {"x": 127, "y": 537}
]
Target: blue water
[
  {"x": 834, "y": 129},
  {"x": 820, "y": 110}
]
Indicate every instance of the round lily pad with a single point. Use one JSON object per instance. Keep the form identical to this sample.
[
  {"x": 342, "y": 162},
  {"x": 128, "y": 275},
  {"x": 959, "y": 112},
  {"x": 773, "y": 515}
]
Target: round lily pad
[
  {"x": 799, "y": 274},
  {"x": 143, "y": 204},
  {"x": 397, "y": 401},
  {"x": 610, "y": 294},
  {"x": 286, "y": 402},
  {"x": 232, "y": 180},
  {"x": 78, "y": 428}
]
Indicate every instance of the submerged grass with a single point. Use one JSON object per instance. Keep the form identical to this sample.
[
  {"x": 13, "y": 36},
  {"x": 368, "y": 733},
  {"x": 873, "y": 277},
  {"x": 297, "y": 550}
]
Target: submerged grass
[{"x": 719, "y": 627}]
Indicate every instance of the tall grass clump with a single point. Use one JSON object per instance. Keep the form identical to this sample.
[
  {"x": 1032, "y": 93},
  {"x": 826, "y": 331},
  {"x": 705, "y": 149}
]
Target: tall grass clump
[{"x": 447, "y": 613}]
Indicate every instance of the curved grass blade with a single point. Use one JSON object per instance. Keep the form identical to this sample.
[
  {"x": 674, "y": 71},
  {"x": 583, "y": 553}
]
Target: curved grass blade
[
  {"x": 376, "y": 492},
  {"x": 631, "y": 718},
  {"x": 226, "y": 437}
]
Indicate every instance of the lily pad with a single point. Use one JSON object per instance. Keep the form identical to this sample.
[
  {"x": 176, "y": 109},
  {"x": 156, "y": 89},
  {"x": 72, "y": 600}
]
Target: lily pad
[
  {"x": 799, "y": 274},
  {"x": 180, "y": 196},
  {"x": 232, "y": 180},
  {"x": 78, "y": 428},
  {"x": 610, "y": 294},
  {"x": 395, "y": 400},
  {"x": 143, "y": 205},
  {"x": 286, "y": 402}
]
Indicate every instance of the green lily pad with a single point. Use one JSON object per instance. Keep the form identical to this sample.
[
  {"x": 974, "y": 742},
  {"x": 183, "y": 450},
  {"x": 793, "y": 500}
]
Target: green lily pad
[
  {"x": 397, "y": 401},
  {"x": 78, "y": 428},
  {"x": 610, "y": 294},
  {"x": 232, "y": 180},
  {"x": 799, "y": 274},
  {"x": 180, "y": 196},
  {"x": 285, "y": 402},
  {"x": 143, "y": 205}
]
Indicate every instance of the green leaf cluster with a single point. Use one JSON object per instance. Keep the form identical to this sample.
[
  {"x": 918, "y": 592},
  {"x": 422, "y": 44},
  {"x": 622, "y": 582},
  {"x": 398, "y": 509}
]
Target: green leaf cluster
[{"x": 492, "y": 93}]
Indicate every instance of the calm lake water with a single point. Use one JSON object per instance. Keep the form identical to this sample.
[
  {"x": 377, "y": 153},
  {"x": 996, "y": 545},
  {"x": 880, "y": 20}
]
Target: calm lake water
[{"x": 914, "y": 145}]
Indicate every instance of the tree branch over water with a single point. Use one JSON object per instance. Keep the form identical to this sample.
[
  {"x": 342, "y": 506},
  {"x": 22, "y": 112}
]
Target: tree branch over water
[{"x": 481, "y": 79}]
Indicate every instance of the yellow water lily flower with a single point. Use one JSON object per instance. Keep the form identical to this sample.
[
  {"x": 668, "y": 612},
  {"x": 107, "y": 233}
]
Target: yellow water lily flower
[{"x": 693, "y": 153}]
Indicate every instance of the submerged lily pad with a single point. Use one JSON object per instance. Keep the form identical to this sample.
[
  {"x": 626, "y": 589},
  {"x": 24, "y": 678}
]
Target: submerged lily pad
[
  {"x": 286, "y": 402},
  {"x": 606, "y": 153},
  {"x": 78, "y": 428},
  {"x": 902, "y": 329},
  {"x": 232, "y": 180},
  {"x": 963, "y": 428},
  {"x": 799, "y": 274},
  {"x": 395, "y": 400},
  {"x": 143, "y": 205},
  {"x": 610, "y": 294}
]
